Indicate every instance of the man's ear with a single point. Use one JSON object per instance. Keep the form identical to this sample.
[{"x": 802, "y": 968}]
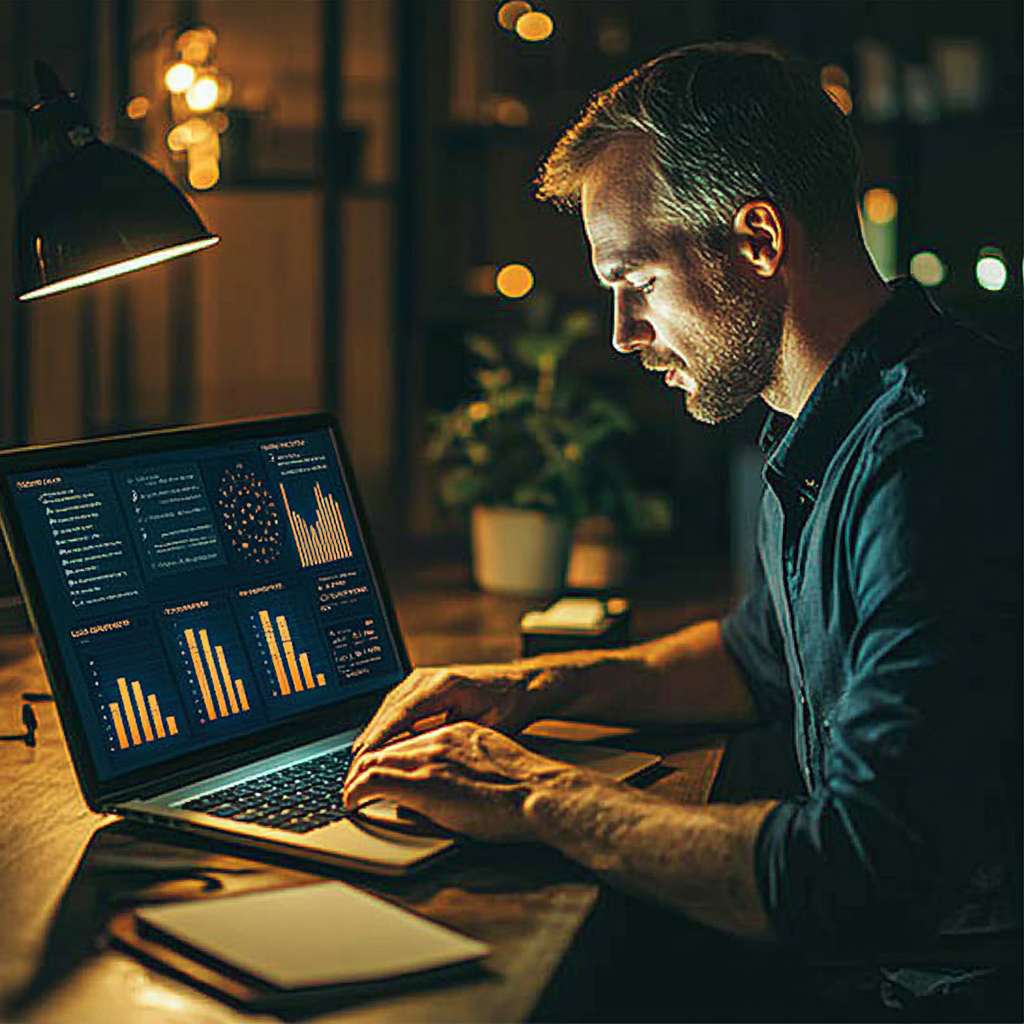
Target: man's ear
[{"x": 760, "y": 237}]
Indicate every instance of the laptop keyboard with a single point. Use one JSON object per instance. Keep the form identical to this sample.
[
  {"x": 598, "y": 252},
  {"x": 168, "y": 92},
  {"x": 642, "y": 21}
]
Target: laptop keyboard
[{"x": 299, "y": 798}]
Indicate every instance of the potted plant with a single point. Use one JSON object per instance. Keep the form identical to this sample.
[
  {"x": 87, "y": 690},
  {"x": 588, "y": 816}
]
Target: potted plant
[{"x": 530, "y": 454}]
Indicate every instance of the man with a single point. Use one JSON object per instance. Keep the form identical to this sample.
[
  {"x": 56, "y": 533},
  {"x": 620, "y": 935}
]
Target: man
[{"x": 717, "y": 186}]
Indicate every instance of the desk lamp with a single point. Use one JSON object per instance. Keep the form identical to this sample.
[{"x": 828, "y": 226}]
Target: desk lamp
[{"x": 92, "y": 211}]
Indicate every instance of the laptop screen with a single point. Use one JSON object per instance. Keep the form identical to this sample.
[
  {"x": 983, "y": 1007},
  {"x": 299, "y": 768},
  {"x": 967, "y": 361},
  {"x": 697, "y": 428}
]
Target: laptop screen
[{"x": 204, "y": 594}]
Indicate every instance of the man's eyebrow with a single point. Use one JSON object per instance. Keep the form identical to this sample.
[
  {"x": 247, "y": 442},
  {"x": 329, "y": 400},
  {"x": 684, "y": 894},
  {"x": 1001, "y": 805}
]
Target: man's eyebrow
[{"x": 622, "y": 262}]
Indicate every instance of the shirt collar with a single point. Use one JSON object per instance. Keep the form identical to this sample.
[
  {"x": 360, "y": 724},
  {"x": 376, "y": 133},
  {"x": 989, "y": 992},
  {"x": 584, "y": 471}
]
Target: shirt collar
[{"x": 800, "y": 450}]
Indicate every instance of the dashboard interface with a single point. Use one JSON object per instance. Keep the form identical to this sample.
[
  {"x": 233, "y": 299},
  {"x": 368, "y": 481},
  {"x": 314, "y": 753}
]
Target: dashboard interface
[{"x": 202, "y": 595}]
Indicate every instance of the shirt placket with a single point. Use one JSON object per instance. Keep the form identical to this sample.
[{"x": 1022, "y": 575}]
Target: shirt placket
[{"x": 795, "y": 511}]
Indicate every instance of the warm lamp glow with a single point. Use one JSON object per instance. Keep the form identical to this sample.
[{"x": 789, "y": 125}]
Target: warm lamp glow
[
  {"x": 509, "y": 13},
  {"x": 534, "y": 26},
  {"x": 514, "y": 280},
  {"x": 202, "y": 94},
  {"x": 926, "y": 268},
  {"x": 137, "y": 108},
  {"x": 880, "y": 205},
  {"x": 179, "y": 77},
  {"x": 116, "y": 269}
]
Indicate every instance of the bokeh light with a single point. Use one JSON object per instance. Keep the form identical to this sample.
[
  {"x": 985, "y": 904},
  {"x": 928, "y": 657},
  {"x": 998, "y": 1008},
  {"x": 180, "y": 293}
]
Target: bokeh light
[
  {"x": 926, "y": 268},
  {"x": 204, "y": 175},
  {"x": 514, "y": 280},
  {"x": 179, "y": 77},
  {"x": 509, "y": 13},
  {"x": 833, "y": 74},
  {"x": 202, "y": 94},
  {"x": 880, "y": 205},
  {"x": 840, "y": 96},
  {"x": 195, "y": 44},
  {"x": 137, "y": 108},
  {"x": 511, "y": 113},
  {"x": 990, "y": 270},
  {"x": 534, "y": 26}
]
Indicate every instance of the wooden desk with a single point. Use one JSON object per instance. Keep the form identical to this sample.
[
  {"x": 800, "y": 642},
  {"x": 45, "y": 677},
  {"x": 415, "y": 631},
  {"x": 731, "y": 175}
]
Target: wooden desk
[{"x": 64, "y": 870}]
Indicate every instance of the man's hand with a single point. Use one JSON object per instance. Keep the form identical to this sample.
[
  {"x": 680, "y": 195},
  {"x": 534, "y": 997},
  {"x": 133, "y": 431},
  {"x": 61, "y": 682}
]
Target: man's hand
[
  {"x": 504, "y": 697},
  {"x": 463, "y": 777}
]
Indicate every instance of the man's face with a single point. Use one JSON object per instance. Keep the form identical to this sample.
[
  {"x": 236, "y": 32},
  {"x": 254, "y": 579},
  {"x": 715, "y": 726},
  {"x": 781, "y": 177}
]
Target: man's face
[{"x": 713, "y": 330}]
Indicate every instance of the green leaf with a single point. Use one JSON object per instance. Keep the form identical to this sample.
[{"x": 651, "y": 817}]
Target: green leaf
[
  {"x": 485, "y": 348},
  {"x": 535, "y": 349}
]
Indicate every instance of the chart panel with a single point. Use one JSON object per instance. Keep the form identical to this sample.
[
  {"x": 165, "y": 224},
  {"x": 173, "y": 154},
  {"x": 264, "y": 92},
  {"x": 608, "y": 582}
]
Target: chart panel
[
  {"x": 172, "y": 518},
  {"x": 134, "y": 697},
  {"x": 291, "y": 661},
  {"x": 212, "y": 665},
  {"x": 79, "y": 513},
  {"x": 310, "y": 490},
  {"x": 249, "y": 513}
]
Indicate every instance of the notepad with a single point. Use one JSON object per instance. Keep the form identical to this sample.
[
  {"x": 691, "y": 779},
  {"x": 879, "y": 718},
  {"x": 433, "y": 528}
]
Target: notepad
[{"x": 313, "y": 935}]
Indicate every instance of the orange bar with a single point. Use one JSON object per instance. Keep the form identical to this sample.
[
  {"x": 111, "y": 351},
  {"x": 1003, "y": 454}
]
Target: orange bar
[
  {"x": 292, "y": 517},
  {"x": 172, "y": 725},
  {"x": 197, "y": 664},
  {"x": 306, "y": 673},
  {"x": 158, "y": 722},
  {"x": 335, "y": 513},
  {"x": 242, "y": 699},
  {"x": 324, "y": 526},
  {"x": 289, "y": 652},
  {"x": 126, "y": 701},
  {"x": 275, "y": 655},
  {"x": 308, "y": 540},
  {"x": 320, "y": 681},
  {"x": 147, "y": 729},
  {"x": 217, "y": 691},
  {"x": 327, "y": 528},
  {"x": 122, "y": 736},
  {"x": 222, "y": 661}
]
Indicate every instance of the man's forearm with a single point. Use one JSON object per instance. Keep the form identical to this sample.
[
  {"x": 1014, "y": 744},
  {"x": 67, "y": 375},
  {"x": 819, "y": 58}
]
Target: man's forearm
[
  {"x": 697, "y": 858},
  {"x": 687, "y": 676}
]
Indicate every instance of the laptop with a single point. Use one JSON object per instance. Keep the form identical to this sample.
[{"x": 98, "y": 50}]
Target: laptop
[{"x": 217, "y": 629}]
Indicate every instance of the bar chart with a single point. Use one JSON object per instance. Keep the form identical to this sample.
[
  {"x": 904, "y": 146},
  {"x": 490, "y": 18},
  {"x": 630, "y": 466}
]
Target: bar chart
[
  {"x": 211, "y": 662},
  {"x": 323, "y": 540},
  {"x": 221, "y": 695},
  {"x": 136, "y": 700},
  {"x": 292, "y": 670},
  {"x": 136, "y": 717}
]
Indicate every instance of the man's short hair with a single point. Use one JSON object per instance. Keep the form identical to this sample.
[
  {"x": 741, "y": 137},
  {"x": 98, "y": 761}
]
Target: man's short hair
[{"x": 727, "y": 123}]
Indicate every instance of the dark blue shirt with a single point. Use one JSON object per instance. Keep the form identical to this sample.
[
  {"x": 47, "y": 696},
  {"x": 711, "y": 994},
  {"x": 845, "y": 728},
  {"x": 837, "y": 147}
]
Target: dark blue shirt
[{"x": 885, "y": 620}]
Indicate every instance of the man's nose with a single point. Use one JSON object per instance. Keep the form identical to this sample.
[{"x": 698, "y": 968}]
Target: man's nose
[{"x": 629, "y": 332}]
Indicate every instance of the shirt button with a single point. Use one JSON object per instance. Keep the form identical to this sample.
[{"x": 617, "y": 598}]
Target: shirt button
[{"x": 803, "y": 699}]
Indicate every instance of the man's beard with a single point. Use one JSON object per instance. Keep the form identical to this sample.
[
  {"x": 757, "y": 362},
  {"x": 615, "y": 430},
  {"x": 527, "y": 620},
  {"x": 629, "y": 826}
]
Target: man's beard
[{"x": 737, "y": 354}]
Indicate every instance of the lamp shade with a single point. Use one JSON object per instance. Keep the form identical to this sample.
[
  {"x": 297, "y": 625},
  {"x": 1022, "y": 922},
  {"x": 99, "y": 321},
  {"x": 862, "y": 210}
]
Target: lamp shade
[{"x": 93, "y": 211}]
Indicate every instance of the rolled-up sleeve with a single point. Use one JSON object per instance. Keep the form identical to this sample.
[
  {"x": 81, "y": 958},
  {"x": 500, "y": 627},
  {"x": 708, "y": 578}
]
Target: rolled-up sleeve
[
  {"x": 876, "y": 852},
  {"x": 751, "y": 636}
]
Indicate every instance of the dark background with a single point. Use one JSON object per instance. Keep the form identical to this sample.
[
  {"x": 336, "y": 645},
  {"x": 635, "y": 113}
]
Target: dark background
[{"x": 349, "y": 269}]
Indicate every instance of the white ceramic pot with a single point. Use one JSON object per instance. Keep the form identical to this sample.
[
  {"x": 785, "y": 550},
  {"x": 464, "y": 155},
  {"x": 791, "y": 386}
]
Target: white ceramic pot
[{"x": 519, "y": 552}]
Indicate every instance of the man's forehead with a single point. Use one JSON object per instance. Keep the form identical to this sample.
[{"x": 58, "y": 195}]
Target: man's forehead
[{"x": 615, "y": 201}]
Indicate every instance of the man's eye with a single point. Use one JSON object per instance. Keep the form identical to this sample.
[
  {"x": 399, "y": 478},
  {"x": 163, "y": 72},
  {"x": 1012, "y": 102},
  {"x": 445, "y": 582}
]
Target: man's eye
[{"x": 644, "y": 289}]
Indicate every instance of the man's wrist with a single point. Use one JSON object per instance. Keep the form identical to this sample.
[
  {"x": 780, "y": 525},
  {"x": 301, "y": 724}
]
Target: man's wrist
[{"x": 548, "y": 796}]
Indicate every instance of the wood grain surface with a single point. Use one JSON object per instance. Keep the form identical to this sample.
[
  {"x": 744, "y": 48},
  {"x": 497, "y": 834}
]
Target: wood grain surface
[{"x": 65, "y": 871}]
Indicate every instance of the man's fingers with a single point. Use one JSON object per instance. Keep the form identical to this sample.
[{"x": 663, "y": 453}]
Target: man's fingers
[
  {"x": 378, "y": 783},
  {"x": 390, "y": 721},
  {"x": 404, "y": 755}
]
